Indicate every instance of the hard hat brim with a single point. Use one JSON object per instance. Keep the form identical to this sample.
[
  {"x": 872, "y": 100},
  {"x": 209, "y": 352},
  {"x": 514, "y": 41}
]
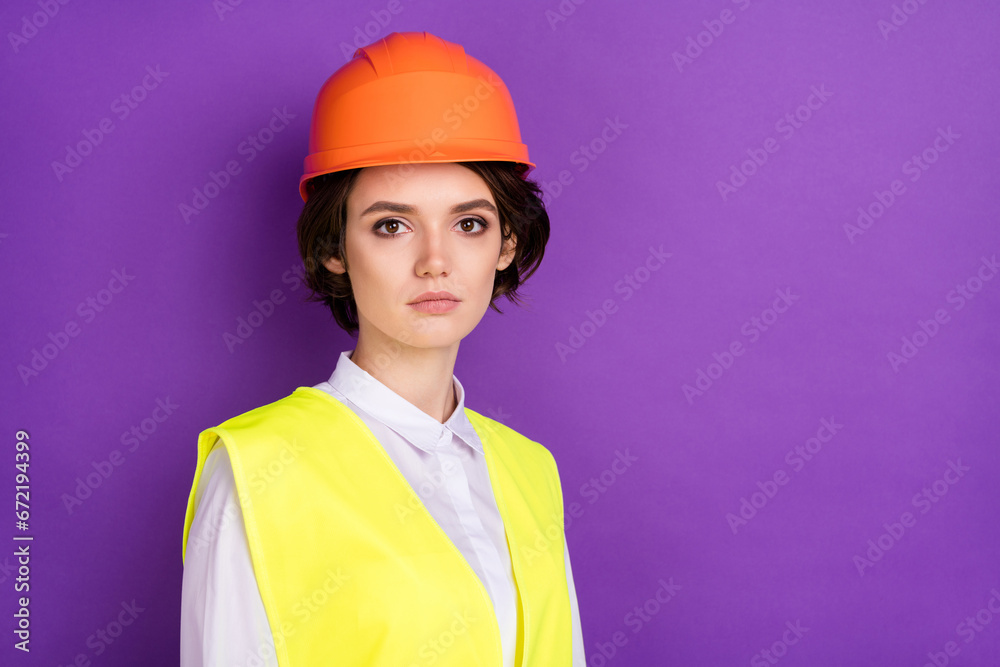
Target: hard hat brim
[{"x": 395, "y": 153}]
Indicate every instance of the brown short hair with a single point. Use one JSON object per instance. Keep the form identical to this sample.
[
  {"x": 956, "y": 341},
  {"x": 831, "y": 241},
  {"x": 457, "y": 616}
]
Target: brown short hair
[{"x": 322, "y": 232}]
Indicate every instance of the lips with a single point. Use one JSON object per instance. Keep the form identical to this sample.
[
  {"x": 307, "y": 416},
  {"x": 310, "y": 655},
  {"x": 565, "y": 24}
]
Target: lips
[{"x": 435, "y": 296}]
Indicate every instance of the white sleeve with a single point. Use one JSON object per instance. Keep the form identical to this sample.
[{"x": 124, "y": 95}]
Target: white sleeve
[
  {"x": 223, "y": 621},
  {"x": 579, "y": 659}
]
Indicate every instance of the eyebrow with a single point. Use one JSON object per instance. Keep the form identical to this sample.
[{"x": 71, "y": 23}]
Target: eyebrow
[{"x": 393, "y": 207}]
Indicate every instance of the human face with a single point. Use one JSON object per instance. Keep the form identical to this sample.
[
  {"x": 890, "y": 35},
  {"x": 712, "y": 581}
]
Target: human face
[{"x": 422, "y": 228}]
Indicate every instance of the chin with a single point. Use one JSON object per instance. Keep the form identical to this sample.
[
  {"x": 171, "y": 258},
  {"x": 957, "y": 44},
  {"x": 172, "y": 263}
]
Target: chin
[{"x": 438, "y": 331}]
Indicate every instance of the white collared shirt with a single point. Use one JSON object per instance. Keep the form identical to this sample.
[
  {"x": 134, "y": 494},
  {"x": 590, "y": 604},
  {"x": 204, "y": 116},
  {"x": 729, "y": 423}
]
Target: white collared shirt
[{"x": 223, "y": 621}]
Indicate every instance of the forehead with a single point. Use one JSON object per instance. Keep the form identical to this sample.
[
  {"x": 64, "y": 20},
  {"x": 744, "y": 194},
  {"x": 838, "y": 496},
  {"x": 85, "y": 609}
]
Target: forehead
[{"x": 436, "y": 184}]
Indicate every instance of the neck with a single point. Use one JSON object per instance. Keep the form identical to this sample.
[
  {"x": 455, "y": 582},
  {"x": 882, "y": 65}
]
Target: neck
[{"x": 422, "y": 376}]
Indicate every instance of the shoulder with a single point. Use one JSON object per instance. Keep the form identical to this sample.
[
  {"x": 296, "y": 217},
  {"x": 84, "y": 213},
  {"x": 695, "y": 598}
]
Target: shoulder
[
  {"x": 290, "y": 408},
  {"x": 295, "y": 423},
  {"x": 217, "y": 507},
  {"x": 215, "y": 484},
  {"x": 524, "y": 445}
]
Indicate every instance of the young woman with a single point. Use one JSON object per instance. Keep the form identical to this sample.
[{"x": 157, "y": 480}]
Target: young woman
[{"x": 374, "y": 519}]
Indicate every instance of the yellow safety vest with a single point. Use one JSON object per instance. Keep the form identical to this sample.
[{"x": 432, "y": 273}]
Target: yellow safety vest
[{"x": 352, "y": 568}]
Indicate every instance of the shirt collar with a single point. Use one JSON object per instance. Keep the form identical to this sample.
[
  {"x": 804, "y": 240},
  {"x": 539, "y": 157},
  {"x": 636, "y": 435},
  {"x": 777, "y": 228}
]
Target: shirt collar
[{"x": 391, "y": 409}]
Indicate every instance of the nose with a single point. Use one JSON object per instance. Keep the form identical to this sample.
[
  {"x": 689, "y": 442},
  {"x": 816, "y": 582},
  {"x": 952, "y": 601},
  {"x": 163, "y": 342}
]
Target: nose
[{"x": 433, "y": 252}]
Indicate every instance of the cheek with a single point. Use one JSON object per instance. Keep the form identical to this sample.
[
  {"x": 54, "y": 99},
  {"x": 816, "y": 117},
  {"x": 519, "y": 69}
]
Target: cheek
[
  {"x": 377, "y": 286},
  {"x": 482, "y": 274},
  {"x": 370, "y": 290},
  {"x": 364, "y": 280}
]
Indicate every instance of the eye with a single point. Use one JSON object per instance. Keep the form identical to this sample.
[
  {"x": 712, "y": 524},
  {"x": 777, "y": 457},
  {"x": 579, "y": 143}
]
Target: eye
[
  {"x": 472, "y": 232},
  {"x": 396, "y": 227},
  {"x": 392, "y": 225}
]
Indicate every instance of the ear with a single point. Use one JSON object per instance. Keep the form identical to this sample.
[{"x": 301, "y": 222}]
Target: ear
[
  {"x": 507, "y": 252},
  {"x": 334, "y": 265}
]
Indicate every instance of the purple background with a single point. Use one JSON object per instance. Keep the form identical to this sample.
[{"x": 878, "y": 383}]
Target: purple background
[{"x": 681, "y": 128}]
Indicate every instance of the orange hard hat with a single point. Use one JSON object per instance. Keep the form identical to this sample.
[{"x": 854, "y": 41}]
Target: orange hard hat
[{"x": 411, "y": 97}]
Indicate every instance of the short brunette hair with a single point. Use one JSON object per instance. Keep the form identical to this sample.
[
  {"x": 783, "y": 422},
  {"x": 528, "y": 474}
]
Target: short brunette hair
[{"x": 322, "y": 233}]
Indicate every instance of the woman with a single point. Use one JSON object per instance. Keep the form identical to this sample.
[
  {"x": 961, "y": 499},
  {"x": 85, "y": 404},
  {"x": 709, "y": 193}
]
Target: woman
[{"x": 374, "y": 519}]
